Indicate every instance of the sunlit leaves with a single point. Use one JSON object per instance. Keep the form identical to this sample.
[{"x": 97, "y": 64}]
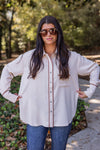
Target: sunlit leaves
[{"x": 79, "y": 20}]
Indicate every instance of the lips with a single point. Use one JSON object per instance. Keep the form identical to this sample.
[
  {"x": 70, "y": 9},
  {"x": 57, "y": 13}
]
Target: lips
[{"x": 48, "y": 39}]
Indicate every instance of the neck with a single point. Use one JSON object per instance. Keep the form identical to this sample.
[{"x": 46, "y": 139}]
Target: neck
[{"x": 50, "y": 49}]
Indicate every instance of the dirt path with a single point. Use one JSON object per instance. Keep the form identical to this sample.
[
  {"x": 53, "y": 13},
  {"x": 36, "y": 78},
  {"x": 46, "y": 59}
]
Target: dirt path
[
  {"x": 92, "y": 57},
  {"x": 95, "y": 58}
]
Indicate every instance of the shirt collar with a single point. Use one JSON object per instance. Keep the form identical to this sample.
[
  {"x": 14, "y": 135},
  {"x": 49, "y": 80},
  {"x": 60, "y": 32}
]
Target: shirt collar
[{"x": 44, "y": 53}]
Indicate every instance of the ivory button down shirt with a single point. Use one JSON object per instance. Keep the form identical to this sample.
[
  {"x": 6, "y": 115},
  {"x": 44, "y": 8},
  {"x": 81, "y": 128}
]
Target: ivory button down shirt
[{"x": 47, "y": 100}]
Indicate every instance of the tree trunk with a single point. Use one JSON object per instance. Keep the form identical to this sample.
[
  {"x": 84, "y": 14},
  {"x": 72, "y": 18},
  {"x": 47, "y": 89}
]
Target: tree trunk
[
  {"x": 10, "y": 38},
  {"x": 6, "y": 44},
  {"x": 17, "y": 49},
  {"x": 9, "y": 43},
  {"x": 0, "y": 42}
]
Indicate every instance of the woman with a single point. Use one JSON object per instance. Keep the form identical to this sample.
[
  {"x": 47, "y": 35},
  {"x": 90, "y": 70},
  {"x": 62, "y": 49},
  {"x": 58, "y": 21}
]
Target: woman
[{"x": 49, "y": 86}]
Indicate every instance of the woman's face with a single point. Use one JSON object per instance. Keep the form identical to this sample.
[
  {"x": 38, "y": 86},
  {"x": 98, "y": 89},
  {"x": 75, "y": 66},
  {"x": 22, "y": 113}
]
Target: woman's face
[{"x": 49, "y": 34}]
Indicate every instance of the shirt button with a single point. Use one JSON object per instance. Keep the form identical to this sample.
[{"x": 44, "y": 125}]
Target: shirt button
[{"x": 50, "y": 110}]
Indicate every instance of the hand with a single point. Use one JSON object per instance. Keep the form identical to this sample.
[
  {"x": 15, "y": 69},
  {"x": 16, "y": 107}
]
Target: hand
[
  {"x": 18, "y": 97},
  {"x": 81, "y": 94}
]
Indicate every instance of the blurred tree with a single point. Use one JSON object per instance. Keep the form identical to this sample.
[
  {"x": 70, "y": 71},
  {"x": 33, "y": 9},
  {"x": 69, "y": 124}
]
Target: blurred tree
[
  {"x": 79, "y": 19},
  {"x": 84, "y": 26},
  {"x": 1, "y": 28},
  {"x": 75, "y": 4},
  {"x": 27, "y": 19},
  {"x": 7, "y": 9},
  {"x": 2, "y": 23}
]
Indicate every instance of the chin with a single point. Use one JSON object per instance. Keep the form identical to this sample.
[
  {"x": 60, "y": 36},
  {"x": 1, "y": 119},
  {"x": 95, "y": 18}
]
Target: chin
[{"x": 49, "y": 42}]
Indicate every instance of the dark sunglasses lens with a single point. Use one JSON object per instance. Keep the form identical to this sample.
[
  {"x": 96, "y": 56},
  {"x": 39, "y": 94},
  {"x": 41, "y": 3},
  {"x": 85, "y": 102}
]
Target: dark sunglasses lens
[
  {"x": 43, "y": 33},
  {"x": 52, "y": 31}
]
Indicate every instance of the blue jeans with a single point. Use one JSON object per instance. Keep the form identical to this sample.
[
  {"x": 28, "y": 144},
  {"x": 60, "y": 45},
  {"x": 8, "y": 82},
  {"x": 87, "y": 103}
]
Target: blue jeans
[{"x": 36, "y": 137}]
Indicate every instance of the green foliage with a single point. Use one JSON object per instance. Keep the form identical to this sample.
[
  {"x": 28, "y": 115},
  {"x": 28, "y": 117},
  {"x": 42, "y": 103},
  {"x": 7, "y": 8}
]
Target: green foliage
[
  {"x": 28, "y": 18},
  {"x": 79, "y": 19},
  {"x": 12, "y": 130},
  {"x": 80, "y": 108},
  {"x": 84, "y": 26}
]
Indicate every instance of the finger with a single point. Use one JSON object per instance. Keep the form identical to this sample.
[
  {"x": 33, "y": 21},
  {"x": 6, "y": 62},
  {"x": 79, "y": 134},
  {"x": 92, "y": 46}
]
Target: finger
[
  {"x": 82, "y": 95},
  {"x": 80, "y": 92},
  {"x": 18, "y": 98},
  {"x": 16, "y": 94}
]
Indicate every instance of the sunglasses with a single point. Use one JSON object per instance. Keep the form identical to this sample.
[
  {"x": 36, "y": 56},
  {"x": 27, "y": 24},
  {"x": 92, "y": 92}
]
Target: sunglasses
[{"x": 52, "y": 31}]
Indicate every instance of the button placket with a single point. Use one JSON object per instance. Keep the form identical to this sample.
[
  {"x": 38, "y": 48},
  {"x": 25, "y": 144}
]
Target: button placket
[
  {"x": 51, "y": 110},
  {"x": 50, "y": 91}
]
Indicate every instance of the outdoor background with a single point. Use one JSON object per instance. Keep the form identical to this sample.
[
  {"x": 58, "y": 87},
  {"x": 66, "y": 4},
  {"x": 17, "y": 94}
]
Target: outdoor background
[
  {"x": 19, "y": 19},
  {"x": 79, "y": 19}
]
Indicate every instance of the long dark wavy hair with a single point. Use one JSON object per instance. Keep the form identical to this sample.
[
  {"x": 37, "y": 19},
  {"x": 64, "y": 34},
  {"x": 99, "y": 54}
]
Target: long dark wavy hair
[{"x": 62, "y": 51}]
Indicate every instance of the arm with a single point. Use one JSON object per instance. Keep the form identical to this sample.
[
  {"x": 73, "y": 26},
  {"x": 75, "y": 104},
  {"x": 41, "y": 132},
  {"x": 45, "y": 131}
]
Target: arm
[
  {"x": 87, "y": 67},
  {"x": 12, "y": 69}
]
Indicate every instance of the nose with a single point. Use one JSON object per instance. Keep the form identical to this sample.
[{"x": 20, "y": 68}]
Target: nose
[{"x": 48, "y": 33}]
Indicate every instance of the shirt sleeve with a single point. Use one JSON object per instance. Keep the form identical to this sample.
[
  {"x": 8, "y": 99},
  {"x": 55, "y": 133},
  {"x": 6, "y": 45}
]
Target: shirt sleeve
[
  {"x": 12, "y": 69},
  {"x": 88, "y": 67}
]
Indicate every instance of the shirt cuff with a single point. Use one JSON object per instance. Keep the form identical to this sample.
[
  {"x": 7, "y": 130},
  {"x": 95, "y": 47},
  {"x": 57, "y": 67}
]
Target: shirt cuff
[
  {"x": 9, "y": 96},
  {"x": 90, "y": 91}
]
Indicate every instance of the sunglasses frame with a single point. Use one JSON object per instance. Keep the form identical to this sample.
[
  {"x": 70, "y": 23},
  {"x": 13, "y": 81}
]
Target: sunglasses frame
[{"x": 48, "y": 30}]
